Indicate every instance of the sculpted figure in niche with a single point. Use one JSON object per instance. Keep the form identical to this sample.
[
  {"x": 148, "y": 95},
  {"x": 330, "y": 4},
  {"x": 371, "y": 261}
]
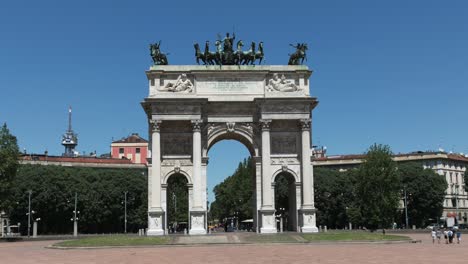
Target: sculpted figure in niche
[
  {"x": 281, "y": 84},
  {"x": 182, "y": 84}
]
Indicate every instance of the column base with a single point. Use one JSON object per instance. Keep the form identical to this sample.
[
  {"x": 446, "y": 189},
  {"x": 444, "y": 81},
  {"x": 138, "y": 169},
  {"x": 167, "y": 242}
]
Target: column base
[
  {"x": 311, "y": 229},
  {"x": 268, "y": 221},
  {"x": 308, "y": 220},
  {"x": 268, "y": 230},
  {"x": 155, "y": 232},
  {"x": 155, "y": 222},
  {"x": 197, "y": 222}
]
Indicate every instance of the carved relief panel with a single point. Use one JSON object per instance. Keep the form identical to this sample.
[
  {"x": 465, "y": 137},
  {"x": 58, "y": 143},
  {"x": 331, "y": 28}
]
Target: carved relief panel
[
  {"x": 176, "y": 144},
  {"x": 284, "y": 143}
]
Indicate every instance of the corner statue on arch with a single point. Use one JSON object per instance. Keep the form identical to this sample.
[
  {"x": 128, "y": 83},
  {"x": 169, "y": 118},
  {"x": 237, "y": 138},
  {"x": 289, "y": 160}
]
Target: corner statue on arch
[{"x": 267, "y": 108}]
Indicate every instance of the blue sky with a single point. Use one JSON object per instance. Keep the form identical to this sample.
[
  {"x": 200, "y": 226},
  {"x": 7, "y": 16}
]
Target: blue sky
[{"x": 392, "y": 72}]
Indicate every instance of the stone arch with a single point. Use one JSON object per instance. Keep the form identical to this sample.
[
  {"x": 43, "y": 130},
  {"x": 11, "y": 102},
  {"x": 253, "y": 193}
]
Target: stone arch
[
  {"x": 174, "y": 172},
  {"x": 241, "y": 133},
  {"x": 286, "y": 171}
]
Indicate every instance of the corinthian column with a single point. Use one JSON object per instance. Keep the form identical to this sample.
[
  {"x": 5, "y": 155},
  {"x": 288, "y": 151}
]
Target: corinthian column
[
  {"x": 307, "y": 209},
  {"x": 267, "y": 210},
  {"x": 196, "y": 159},
  {"x": 307, "y": 177},
  {"x": 266, "y": 184},
  {"x": 197, "y": 213},
  {"x": 155, "y": 212},
  {"x": 155, "y": 174}
]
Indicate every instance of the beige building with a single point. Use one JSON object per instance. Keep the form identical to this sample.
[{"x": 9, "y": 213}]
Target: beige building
[{"x": 451, "y": 166}]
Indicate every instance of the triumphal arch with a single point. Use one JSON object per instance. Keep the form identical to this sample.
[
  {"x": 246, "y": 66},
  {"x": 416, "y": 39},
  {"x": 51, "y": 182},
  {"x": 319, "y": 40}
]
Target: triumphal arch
[{"x": 266, "y": 108}]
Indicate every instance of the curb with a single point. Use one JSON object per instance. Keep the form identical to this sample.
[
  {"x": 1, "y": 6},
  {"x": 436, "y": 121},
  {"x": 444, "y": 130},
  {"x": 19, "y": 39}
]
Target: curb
[{"x": 243, "y": 244}]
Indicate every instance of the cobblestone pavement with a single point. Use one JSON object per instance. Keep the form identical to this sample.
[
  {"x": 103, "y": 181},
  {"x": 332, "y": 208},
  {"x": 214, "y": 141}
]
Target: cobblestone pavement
[{"x": 425, "y": 252}]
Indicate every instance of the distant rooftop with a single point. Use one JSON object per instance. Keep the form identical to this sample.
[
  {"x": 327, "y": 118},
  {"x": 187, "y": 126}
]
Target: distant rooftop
[
  {"x": 133, "y": 138},
  {"x": 426, "y": 154},
  {"x": 44, "y": 159}
]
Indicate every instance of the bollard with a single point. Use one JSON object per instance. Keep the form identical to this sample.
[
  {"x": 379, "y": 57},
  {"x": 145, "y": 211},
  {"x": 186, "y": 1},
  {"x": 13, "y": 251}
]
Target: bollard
[
  {"x": 35, "y": 229},
  {"x": 325, "y": 229}
]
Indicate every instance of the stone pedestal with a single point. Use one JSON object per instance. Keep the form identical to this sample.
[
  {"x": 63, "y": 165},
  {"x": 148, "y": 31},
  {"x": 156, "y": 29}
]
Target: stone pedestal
[
  {"x": 155, "y": 222},
  {"x": 308, "y": 221},
  {"x": 197, "y": 222},
  {"x": 75, "y": 228},
  {"x": 268, "y": 221},
  {"x": 35, "y": 229}
]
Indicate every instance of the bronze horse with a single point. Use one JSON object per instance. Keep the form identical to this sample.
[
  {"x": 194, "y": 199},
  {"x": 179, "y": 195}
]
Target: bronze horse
[
  {"x": 297, "y": 58},
  {"x": 225, "y": 55},
  {"x": 158, "y": 57}
]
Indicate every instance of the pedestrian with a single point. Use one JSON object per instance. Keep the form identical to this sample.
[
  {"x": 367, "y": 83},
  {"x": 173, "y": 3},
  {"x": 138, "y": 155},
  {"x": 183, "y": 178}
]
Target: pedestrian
[
  {"x": 458, "y": 236},
  {"x": 438, "y": 235},
  {"x": 450, "y": 236},
  {"x": 433, "y": 235}
]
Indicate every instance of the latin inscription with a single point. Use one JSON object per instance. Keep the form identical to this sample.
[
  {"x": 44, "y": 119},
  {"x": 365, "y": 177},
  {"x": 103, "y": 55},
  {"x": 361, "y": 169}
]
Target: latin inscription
[{"x": 233, "y": 85}]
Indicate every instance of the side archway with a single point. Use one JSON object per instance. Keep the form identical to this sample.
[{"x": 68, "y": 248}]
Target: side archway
[{"x": 287, "y": 199}]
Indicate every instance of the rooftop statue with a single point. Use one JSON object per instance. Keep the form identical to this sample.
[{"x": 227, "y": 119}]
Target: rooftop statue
[
  {"x": 225, "y": 54},
  {"x": 297, "y": 58},
  {"x": 158, "y": 57}
]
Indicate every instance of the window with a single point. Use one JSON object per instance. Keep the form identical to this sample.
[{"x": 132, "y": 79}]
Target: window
[
  {"x": 454, "y": 202},
  {"x": 137, "y": 150},
  {"x": 121, "y": 150}
]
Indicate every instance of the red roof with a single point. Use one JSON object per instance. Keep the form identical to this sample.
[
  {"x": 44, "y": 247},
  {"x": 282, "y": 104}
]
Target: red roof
[{"x": 133, "y": 138}]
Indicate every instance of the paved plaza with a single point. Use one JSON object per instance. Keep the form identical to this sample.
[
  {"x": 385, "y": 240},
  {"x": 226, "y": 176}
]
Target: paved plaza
[{"x": 425, "y": 252}]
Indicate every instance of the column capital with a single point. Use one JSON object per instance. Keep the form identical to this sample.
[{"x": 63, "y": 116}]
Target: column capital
[
  {"x": 305, "y": 123},
  {"x": 265, "y": 124},
  {"x": 155, "y": 125},
  {"x": 196, "y": 125}
]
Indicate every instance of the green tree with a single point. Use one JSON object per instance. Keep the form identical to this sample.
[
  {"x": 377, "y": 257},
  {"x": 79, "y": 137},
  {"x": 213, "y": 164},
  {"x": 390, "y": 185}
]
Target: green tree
[
  {"x": 334, "y": 194},
  {"x": 425, "y": 193},
  {"x": 177, "y": 199},
  {"x": 377, "y": 189},
  {"x": 100, "y": 198},
  {"x": 9, "y": 154},
  {"x": 235, "y": 193}
]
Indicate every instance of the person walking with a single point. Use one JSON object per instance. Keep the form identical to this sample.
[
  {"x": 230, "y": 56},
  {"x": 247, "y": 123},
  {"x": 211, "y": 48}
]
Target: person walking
[
  {"x": 446, "y": 236},
  {"x": 450, "y": 236},
  {"x": 458, "y": 236},
  {"x": 438, "y": 235},
  {"x": 433, "y": 235}
]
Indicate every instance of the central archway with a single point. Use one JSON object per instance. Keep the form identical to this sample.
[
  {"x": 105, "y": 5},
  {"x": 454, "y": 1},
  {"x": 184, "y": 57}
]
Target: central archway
[{"x": 242, "y": 133}]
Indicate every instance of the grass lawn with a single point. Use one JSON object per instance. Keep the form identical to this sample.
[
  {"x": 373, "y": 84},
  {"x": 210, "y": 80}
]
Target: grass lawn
[
  {"x": 115, "y": 240},
  {"x": 352, "y": 236}
]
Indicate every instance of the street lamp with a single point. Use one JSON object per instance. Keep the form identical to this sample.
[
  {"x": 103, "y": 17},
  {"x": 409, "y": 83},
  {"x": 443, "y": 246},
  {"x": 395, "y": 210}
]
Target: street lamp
[
  {"x": 29, "y": 213},
  {"x": 455, "y": 193},
  {"x": 280, "y": 216},
  {"x": 75, "y": 217},
  {"x": 174, "y": 199},
  {"x": 125, "y": 220},
  {"x": 406, "y": 207}
]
